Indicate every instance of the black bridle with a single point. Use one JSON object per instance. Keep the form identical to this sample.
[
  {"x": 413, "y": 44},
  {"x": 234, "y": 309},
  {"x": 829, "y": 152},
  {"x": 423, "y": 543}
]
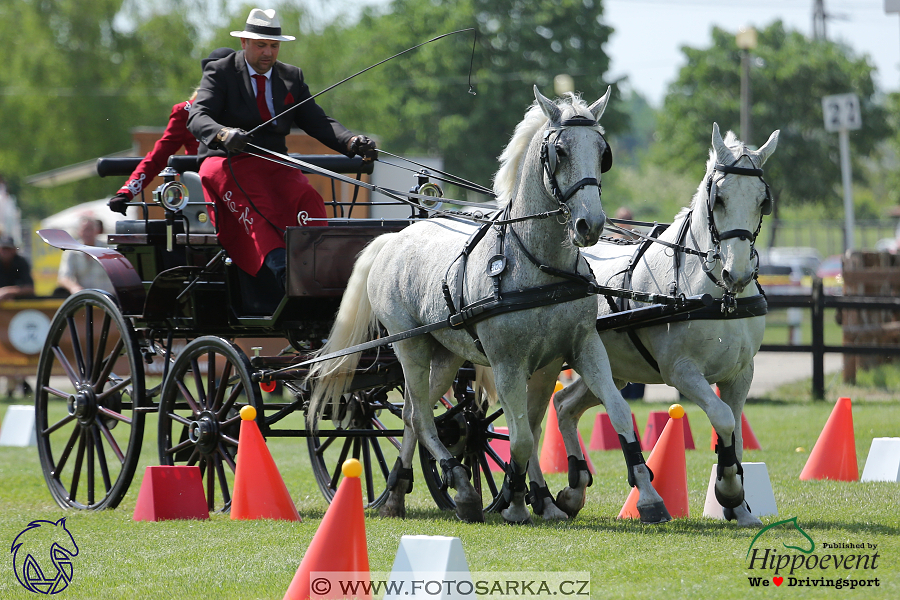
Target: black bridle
[{"x": 550, "y": 161}]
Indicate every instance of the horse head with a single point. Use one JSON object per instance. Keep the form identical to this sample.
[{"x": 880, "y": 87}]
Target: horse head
[
  {"x": 573, "y": 154},
  {"x": 737, "y": 198}
]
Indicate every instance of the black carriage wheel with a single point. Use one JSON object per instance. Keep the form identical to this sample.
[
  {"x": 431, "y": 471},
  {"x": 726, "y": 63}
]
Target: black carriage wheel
[
  {"x": 89, "y": 403},
  {"x": 367, "y": 425},
  {"x": 199, "y": 413},
  {"x": 466, "y": 429}
]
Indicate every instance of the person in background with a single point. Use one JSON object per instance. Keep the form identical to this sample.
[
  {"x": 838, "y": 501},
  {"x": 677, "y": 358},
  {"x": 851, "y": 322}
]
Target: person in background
[
  {"x": 15, "y": 272},
  {"x": 256, "y": 199},
  {"x": 77, "y": 270},
  {"x": 175, "y": 137}
]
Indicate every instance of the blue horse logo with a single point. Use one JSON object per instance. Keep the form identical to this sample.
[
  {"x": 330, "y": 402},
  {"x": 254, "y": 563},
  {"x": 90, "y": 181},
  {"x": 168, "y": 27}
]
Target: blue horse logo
[{"x": 30, "y": 552}]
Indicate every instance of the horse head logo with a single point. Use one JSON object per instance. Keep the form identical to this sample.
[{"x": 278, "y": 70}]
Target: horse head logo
[
  {"x": 792, "y": 521},
  {"x": 42, "y": 556}
]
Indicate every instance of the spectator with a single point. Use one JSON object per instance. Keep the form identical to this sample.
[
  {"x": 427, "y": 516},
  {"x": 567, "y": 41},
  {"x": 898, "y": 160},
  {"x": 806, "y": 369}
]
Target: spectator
[
  {"x": 15, "y": 272},
  {"x": 77, "y": 270}
]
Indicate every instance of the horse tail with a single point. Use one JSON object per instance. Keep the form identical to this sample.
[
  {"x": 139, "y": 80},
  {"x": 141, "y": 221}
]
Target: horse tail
[
  {"x": 354, "y": 324},
  {"x": 484, "y": 386}
]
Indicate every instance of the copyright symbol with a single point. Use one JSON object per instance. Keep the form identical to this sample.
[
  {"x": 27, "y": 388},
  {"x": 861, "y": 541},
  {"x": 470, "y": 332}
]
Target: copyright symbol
[{"x": 320, "y": 586}]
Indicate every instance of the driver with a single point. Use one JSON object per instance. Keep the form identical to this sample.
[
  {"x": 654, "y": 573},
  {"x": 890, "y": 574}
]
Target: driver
[{"x": 255, "y": 199}]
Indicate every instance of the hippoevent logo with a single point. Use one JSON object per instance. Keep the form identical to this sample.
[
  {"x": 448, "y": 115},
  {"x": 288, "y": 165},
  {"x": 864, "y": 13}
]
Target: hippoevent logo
[
  {"x": 799, "y": 565},
  {"x": 42, "y": 556}
]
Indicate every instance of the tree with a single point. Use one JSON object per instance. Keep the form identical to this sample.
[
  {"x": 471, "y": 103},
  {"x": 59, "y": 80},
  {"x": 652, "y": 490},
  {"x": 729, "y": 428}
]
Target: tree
[
  {"x": 791, "y": 75},
  {"x": 423, "y": 101}
]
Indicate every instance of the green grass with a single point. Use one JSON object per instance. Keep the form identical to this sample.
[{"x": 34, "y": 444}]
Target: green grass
[{"x": 688, "y": 558}]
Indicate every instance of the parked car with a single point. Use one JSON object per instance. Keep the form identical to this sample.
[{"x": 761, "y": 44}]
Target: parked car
[
  {"x": 785, "y": 279},
  {"x": 831, "y": 274}
]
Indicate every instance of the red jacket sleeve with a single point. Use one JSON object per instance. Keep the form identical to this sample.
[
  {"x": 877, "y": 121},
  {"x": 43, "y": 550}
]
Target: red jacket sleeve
[{"x": 175, "y": 136}]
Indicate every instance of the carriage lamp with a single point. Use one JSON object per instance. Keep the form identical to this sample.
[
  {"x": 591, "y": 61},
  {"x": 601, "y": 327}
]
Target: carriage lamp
[{"x": 173, "y": 196}]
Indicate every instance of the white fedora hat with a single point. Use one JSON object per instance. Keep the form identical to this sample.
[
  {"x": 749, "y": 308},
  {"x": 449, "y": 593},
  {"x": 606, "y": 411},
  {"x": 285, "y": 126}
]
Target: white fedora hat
[{"x": 263, "y": 25}]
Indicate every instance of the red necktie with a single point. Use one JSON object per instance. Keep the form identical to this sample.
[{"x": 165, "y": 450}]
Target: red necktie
[{"x": 261, "y": 97}]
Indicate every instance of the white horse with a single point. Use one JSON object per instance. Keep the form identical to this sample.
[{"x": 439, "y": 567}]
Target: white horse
[
  {"x": 408, "y": 279},
  {"x": 724, "y": 218}
]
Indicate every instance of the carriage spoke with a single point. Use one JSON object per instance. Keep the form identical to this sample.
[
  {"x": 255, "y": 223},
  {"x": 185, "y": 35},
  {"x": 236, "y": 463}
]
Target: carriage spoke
[
  {"x": 64, "y": 457},
  {"x": 101, "y": 457},
  {"x": 232, "y": 398},
  {"x": 113, "y": 444},
  {"x": 235, "y": 419},
  {"x": 186, "y": 394},
  {"x": 76, "y": 471},
  {"x": 211, "y": 380},
  {"x": 228, "y": 439},
  {"x": 476, "y": 474},
  {"x": 179, "y": 447},
  {"x": 120, "y": 385},
  {"x": 88, "y": 340},
  {"x": 379, "y": 456},
  {"x": 210, "y": 483},
  {"x": 56, "y": 392},
  {"x": 90, "y": 442},
  {"x": 324, "y": 446},
  {"x": 367, "y": 469},
  {"x": 76, "y": 346},
  {"x": 198, "y": 384},
  {"x": 108, "y": 363},
  {"x": 193, "y": 458},
  {"x": 114, "y": 415},
  {"x": 488, "y": 420},
  {"x": 223, "y": 483},
  {"x": 220, "y": 391},
  {"x": 67, "y": 366},
  {"x": 183, "y": 420},
  {"x": 381, "y": 427},
  {"x": 337, "y": 470},
  {"x": 227, "y": 458},
  {"x": 101, "y": 347},
  {"x": 65, "y": 420},
  {"x": 488, "y": 476}
]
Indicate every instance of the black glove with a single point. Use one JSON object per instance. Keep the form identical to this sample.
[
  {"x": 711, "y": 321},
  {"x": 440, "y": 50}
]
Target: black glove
[
  {"x": 360, "y": 145},
  {"x": 233, "y": 139},
  {"x": 118, "y": 203}
]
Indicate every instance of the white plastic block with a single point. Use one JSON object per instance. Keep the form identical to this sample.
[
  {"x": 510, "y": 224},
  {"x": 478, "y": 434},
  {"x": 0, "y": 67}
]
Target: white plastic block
[
  {"x": 18, "y": 427},
  {"x": 757, "y": 492},
  {"x": 428, "y": 557},
  {"x": 883, "y": 461}
]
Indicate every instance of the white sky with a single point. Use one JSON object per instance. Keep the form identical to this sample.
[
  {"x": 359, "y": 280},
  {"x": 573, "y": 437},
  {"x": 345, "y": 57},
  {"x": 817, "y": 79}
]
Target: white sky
[{"x": 649, "y": 34}]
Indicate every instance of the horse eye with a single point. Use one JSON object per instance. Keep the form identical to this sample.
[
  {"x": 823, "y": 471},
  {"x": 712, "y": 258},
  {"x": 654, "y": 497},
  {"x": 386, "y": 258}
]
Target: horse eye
[
  {"x": 719, "y": 199},
  {"x": 560, "y": 152}
]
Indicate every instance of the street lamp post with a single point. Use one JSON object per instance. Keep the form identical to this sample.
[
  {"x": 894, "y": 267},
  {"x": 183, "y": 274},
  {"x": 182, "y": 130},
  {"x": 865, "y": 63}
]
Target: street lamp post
[{"x": 746, "y": 41}]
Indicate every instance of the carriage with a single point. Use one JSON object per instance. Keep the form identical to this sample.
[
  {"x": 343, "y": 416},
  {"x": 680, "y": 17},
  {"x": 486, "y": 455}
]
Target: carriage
[{"x": 171, "y": 340}]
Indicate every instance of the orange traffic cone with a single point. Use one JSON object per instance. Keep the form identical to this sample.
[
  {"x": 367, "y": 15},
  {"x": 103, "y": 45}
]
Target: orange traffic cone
[
  {"x": 259, "y": 490},
  {"x": 667, "y": 461},
  {"x": 834, "y": 455},
  {"x": 553, "y": 452},
  {"x": 750, "y": 441},
  {"x": 339, "y": 547}
]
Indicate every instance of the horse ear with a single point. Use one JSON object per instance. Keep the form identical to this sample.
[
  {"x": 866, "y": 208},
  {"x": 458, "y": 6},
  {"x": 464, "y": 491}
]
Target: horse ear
[
  {"x": 598, "y": 107},
  {"x": 723, "y": 154},
  {"x": 548, "y": 106},
  {"x": 768, "y": 148}
]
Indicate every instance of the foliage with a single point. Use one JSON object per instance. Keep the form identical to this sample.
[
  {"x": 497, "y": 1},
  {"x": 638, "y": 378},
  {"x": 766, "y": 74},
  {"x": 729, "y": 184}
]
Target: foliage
[{"x": 790, "y": 76}]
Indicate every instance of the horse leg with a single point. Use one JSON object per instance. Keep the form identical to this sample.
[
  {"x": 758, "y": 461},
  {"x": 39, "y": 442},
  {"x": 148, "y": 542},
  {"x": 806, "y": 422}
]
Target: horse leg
[
  {"x": 734, "y": 394},
  {"x": 425, "y": 368},
  {"x": 690, "y": 381},
  {"x": 400, "y": 479},
  {"x": 592, "y": 363},
  {"x": 540, "y": 388},
  {"x": 512, "y": 392},
  {"x": 570, "y": 403}
]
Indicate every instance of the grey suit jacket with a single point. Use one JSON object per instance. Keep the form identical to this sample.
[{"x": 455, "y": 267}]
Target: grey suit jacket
[{"x": 226, "y": 99}]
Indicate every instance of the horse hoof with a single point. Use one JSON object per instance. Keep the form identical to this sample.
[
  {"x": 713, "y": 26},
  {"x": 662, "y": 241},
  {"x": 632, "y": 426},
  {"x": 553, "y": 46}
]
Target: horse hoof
[
  {"x": 728, "y": 513},
  {"x": 469, "y": 512},
  {"x": 517, "y": 519},
  {"x": 654, "y": 514},
  {"x": 553, "y": 513},
  {"x": 570, "y": 501},
  {"x": 729, "y": 501}
]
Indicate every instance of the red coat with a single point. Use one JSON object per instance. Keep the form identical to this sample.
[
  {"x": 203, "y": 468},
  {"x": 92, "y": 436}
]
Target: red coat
[
  {"x": 279, "y": 192},
  {"x": 173, "y": 139}
]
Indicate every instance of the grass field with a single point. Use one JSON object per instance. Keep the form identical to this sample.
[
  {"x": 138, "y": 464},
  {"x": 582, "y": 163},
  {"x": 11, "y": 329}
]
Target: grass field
[{"x": 687, "y": 558}]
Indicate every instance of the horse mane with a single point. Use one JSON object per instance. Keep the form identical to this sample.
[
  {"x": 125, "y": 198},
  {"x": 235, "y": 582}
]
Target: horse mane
[
  {"x": 736, "y": 146},
  {"x": 506, "y": 177}
]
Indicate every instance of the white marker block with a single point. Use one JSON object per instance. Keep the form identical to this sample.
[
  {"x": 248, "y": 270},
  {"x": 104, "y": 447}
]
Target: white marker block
[
  {"x": 883, "y": 461},
  {"x": 18, "y": 427},
  {"x": 429, "y": 558},
  {"x": 757, "y": 492}
]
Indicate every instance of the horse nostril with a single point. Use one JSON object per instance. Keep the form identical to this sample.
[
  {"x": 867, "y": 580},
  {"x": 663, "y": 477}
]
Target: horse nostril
[
  {"x": 725, "y": 275},
  {"x": 582, "y": 228}
]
